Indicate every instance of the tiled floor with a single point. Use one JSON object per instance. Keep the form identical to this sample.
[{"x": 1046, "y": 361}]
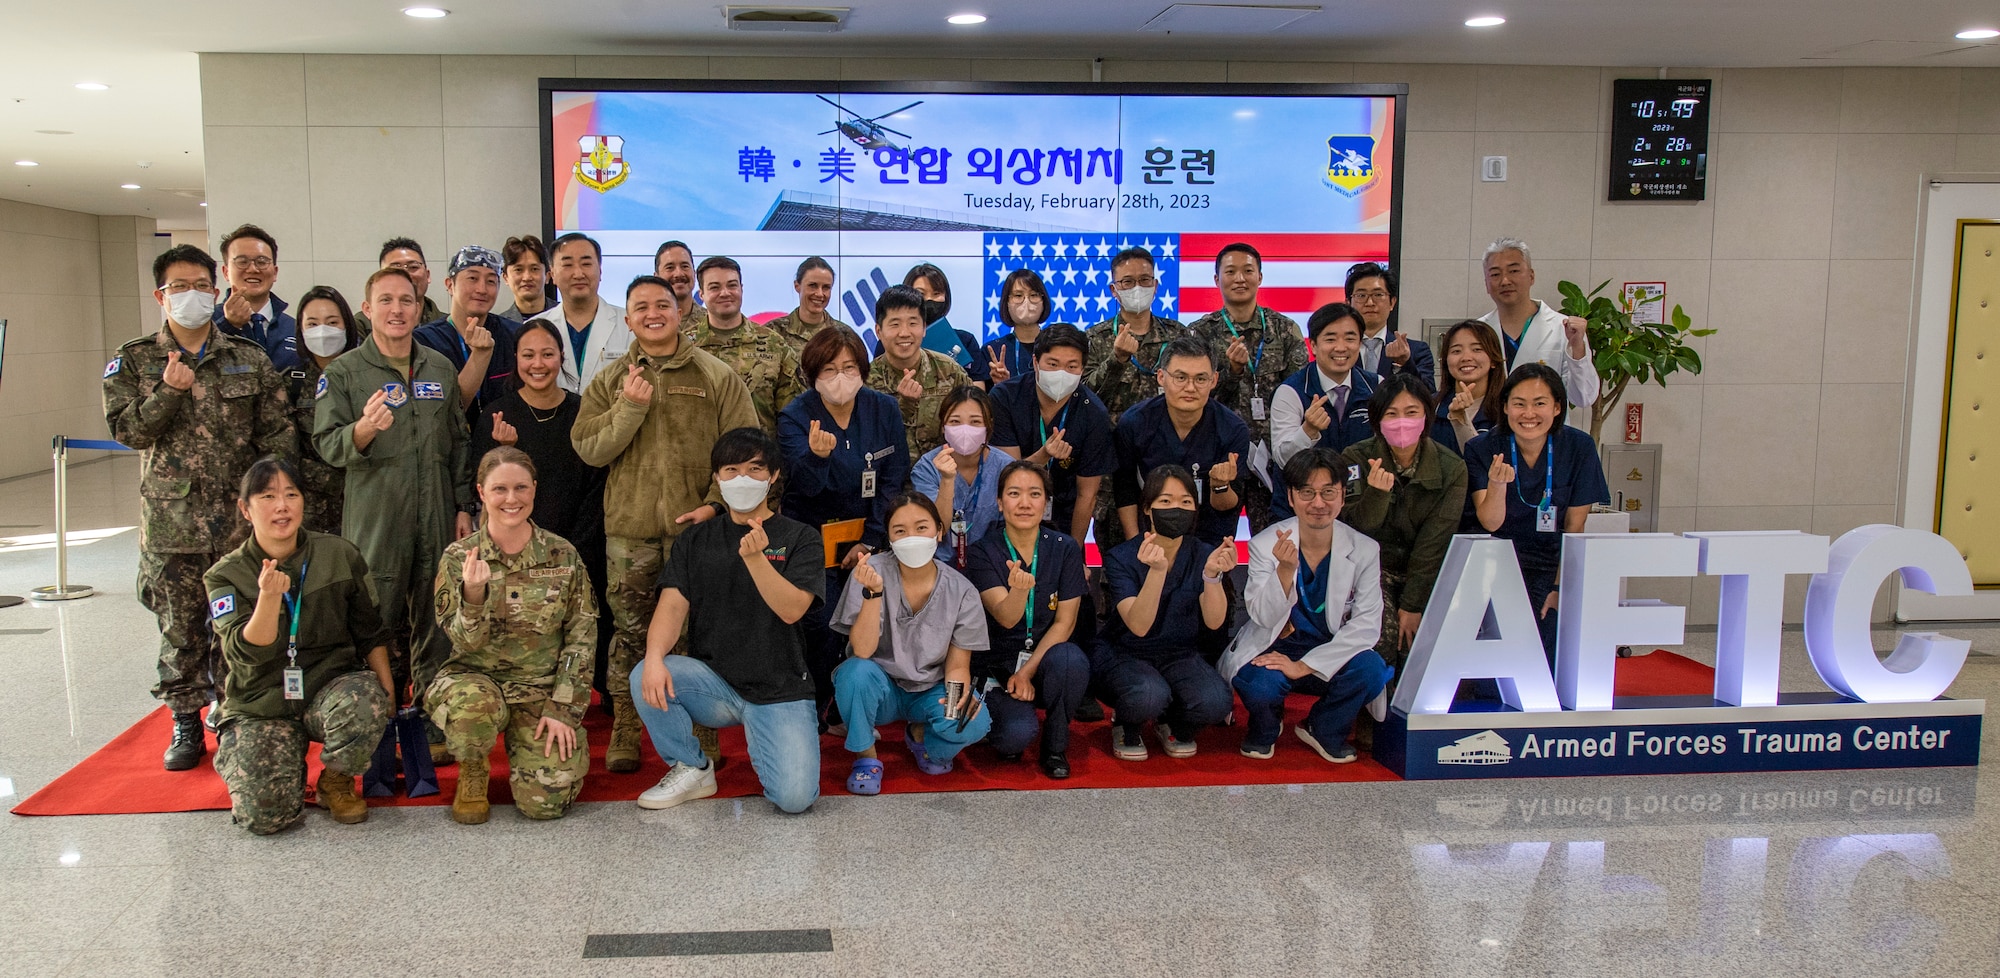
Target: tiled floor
[{"x": 1846, "y": 873}]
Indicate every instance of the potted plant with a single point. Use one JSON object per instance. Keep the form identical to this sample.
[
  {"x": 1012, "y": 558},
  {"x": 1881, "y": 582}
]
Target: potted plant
[{"x": 1624, "y": 351}]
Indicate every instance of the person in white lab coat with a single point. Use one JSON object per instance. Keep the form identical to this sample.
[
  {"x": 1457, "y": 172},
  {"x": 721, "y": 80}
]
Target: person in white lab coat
[
  {"x": 1532, "y": 331},
  {"x": 1315, "y": 604},
  {"x": 593, "y": 330}
]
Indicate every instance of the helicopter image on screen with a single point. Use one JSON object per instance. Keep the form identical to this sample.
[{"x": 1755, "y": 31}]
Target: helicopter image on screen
[{"x": 864, "y": 132}]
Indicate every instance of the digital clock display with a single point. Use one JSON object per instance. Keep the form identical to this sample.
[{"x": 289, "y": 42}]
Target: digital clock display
[{"x": 1659, "y": 139}]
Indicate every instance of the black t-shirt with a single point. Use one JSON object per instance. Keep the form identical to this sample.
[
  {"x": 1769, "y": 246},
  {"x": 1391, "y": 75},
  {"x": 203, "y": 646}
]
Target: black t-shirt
[
  {"x": 1058, "y": 569},
  {"x": 569, "y": 495},
  {"x": 729, "y": 625}
]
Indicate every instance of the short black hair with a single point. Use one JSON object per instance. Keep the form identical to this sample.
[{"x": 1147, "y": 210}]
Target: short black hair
[
  {"x": 261, "y": 473},
  {"x": 1394, "y": 385},
  {"x": 1189, "y": 345},
  {"x": 1023, "y": 465},
  {"x": 526, "y": 244},
  {"x": 647, "y": 280},
  {"x": 1369, "y": 269},
  {"x": 716, "y": 261},
  {"x": 1329, "y": 314},
  {"x": 927, "y": 272},
  {"x": 815, "y": 262},
  {"x": 1134, "y": 253},
  {"x": 1534, "y": 371},
  {"x": 399, "y": 244},
  {"x": 1239, "y": 246},
  {"x": 251, "y": 231},
  {"x": 1058, "y": 335},
  {"x": 1300, "y": 468},
  {"x": 664, "y": 245},
  {"x": 747, "y": 444},
  {"x": 331, "y": 294},
  {"x": 897, "y": 297},
  {"x": 574, "y": 237},
  {"x": 1034, "y": 283},
  {"x": 179, "y": 254},
  {"x": 917, "y": 499},
  {"x": 1156, "y": 484}
]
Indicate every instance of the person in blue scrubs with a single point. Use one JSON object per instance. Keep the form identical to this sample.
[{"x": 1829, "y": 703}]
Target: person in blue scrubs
[
  {"x": 845, "y": 455},
  {"x": 1024, "y": 307},
  {"x": 1183, "y": 425},
  {"x": 479, "y": 344},
  {"x": 1533, "y": 479},
  {"x": 1031, "y": 580},
  {"x": 1048, "y": 416},
  {"x": 1315, "y": 602},
  {"x": 1163, "y": 587},
  {"x": 962, "y": 476}
]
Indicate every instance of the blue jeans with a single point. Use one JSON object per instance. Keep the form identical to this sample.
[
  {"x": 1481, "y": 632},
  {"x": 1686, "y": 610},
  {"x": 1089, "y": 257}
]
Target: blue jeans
[
  {"x": 868, "y": 698},
  {"x": 1060, "y": 683},
  {"x": 1330, "y": 720},
  {"x": 783, "y": 737},
  {"x": 1184, "y": 692}
]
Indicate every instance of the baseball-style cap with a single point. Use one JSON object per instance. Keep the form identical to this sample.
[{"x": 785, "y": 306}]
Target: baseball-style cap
[{"x": 476, "y": 256}]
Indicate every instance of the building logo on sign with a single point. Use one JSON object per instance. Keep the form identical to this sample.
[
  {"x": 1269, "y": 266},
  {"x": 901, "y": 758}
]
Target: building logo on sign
[
  {"x": 1485, "y": 747},
  {"x": 1350, "y": 163},
  {"x": 602, "y": 163}
]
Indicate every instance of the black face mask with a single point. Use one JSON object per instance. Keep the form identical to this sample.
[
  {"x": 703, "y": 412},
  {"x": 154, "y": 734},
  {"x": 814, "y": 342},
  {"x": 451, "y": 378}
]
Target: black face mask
[
  {"x": 934, "y": 310},
  {"x": 1173, "y": 523}
]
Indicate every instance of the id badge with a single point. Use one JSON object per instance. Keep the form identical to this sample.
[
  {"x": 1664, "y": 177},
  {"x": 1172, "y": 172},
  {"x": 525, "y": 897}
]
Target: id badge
[
  {"x": 868, "y": 483},
  {"x": 1049, "y": 511},
  {"x": 1257, "y": 409},
  {"x": 1545, "y": 518},
  {"x": 295, "y": 684},
  {"x": 1020, "y": 661}
]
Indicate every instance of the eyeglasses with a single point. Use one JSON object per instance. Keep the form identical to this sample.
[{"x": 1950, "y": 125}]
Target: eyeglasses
[
  {"x": 1135, "y": 283},
  {"x": 1368, "y": 296},
  {"x": 407, "y": 266},
  {"x": 1326, "y": 495},
  {"x": 261, "y": 264},
  {"x": 1179, "y": 379},
  {"x": 176, "y": 288}
]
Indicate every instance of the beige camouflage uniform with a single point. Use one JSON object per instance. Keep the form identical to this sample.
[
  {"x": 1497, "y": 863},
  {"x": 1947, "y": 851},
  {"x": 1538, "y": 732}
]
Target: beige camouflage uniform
[
  {"x": 939, "y": 375},
  {"x": 797, "y": 331},
  {"x": 526, "y": 653},
  {"x": 767, "y": 362}
]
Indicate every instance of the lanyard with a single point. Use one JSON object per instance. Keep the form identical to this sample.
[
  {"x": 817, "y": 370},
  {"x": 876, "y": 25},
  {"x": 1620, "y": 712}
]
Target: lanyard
[
  {"x": 1034, "y": 559},
  {"x": 1304, "y": 601},
  {"x": 292, "y": 608},
  {"x": 1014, "y": 360},
  {"x": 1263, "y": 335},
  {"x": 1548, "y": 473},
  {"x": 1062, "y": 417}
]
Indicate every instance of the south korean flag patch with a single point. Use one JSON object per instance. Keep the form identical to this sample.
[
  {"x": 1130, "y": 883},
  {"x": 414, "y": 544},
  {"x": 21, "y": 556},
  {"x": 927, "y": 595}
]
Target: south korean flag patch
[
  {"x": 221, "y": 606},
  {"x": 319, "y": 389},
  {"x": 112, "y": 367}
]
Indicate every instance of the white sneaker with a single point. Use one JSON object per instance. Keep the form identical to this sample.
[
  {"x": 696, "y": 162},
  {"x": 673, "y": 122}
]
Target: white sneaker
[{"x": 683, "y": 783}]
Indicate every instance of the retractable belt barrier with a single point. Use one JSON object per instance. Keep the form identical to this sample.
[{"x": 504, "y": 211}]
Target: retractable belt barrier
[{"x": 62, "y": 589}]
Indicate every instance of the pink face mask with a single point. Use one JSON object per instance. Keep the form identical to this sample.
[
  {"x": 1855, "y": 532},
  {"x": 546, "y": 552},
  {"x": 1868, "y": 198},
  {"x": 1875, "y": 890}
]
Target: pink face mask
[{"x": 1402, "y": 432}]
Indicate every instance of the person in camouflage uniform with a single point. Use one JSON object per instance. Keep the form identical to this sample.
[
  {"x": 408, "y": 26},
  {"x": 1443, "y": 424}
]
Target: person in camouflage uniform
[
  {"x": 1255, "y": 349},
  {"x": 291, "y": 600},
  {"x": 199, "y": 406},
  {"x": 1125, "y": 350},
  {"x": 326, "y": 330},
  {"x": 814, "y": 284},
  {"x": 517, "y": 603},
  {"x": 767, "y": 361},
  {"x": 917, "y": 378},
  {"x": 650, "y": 418}
]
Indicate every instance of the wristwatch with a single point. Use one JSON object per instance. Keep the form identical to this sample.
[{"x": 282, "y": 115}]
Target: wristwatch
[{"x": 869, "y": 594}]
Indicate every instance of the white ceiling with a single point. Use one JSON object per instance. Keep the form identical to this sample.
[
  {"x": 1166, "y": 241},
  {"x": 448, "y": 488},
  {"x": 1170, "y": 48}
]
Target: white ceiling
[{"x": 152, "y": 113}]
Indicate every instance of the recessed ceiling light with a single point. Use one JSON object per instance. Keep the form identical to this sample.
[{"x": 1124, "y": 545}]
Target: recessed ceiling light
[
  {"x": 128, "y": 186},
  {"x": 1977, "y": 34},
  {"x": 92, "y": 86},
  {"x": 1485, "y": 21},
  {"x": 26, "y": 163},
  {"x": 965, "y": 20},
  {"x": 56, "y": 132},
  {"x": 427, "y": 13}
]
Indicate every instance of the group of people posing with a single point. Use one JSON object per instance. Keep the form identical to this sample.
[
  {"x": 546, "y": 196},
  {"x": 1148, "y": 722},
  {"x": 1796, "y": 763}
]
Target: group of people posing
[{"x": 795, "y": 533}]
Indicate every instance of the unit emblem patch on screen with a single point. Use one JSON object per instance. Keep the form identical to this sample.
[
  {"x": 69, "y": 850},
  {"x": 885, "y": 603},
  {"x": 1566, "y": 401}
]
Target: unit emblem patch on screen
[
  {"x": 1350, "y": 163},
  {"x": 602, "y": 163}
]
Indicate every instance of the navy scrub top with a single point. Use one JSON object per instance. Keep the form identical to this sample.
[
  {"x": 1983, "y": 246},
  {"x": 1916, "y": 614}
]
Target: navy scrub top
[
  {"x": 1086, "y": 425},
  {"x": 1058, "y": 569},
  {"x": 825, "y": 490},
  {"x": 1146, "y": 439},
  {"x": 1178, "y": 622},
  {"x": 1578, "y": 480}
]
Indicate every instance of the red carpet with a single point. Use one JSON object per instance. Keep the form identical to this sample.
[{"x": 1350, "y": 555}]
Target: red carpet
[{"x": 124, "y": 777}]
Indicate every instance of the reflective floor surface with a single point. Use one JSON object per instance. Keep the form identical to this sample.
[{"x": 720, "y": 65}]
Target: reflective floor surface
[{"x": 1844, "y": 873}]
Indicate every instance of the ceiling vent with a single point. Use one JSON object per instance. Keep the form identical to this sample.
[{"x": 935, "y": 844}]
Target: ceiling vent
[
  {"x": 812, "y": 20},
  {"x": 1226, "y": 18}
]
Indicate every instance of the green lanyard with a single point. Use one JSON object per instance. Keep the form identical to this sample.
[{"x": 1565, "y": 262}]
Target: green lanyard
[
  {"x": 1034, "y": 559},
  {"x": 293, "y": 608}
]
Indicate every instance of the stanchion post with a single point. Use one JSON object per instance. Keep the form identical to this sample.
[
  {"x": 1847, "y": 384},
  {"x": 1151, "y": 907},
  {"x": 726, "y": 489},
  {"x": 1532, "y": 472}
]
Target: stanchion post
[{"x": 62, "y": 589}]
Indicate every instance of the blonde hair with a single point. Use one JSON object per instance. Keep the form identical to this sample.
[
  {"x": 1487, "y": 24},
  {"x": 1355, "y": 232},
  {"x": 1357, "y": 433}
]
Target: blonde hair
[{"x": 504, "y": 455}]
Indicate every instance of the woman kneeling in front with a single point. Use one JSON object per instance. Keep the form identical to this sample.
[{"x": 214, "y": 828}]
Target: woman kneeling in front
[
  {"x": 1315, "y": 604},
  {"x": 517, "y": 603},
  {"x": 913, "y": 625},
  {"x": 293, "y": 640}
]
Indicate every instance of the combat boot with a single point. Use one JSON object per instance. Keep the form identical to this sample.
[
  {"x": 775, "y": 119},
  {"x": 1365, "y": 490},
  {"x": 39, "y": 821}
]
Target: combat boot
[
  {"x": 621, "y": 755},
  {"x": 187, "y": 747},
  {"x": 470, "y": 807},
  {"x": 336, "y": 795}
]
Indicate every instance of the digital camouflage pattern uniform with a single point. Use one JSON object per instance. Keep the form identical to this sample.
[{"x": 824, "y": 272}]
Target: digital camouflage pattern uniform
[
  {"x": 529, "y": 651},
  {"x": 656, "y": 461},
  {"x": 1119, "y": 382},
  {"x": 798, "y": 331},
  {"x": 262, "y": 746},
  {"x": 766, "y": 360},
  {"x": 1277, "y": 351},
  {"x": 938, "y": 375},
  {"x": 193, "y": 446},
  {"x": 321, "y": 484}
]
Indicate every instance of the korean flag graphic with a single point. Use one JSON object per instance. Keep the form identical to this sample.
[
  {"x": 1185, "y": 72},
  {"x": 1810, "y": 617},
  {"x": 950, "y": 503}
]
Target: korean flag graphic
[{"x": 221, "y": 606}]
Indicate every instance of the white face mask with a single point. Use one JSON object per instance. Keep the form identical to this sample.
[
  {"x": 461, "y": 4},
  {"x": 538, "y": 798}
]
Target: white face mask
[
  {"x": 326, "y": 341},
  {"x": 914, "y": 552},
  {"x": 192, "y": 309},
  {"x": 744, "y": 493},
  {"x": 1136, "y": 300},
  {"x": 1057, "y": 384},
  {"x": 838, "y": 389}
]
